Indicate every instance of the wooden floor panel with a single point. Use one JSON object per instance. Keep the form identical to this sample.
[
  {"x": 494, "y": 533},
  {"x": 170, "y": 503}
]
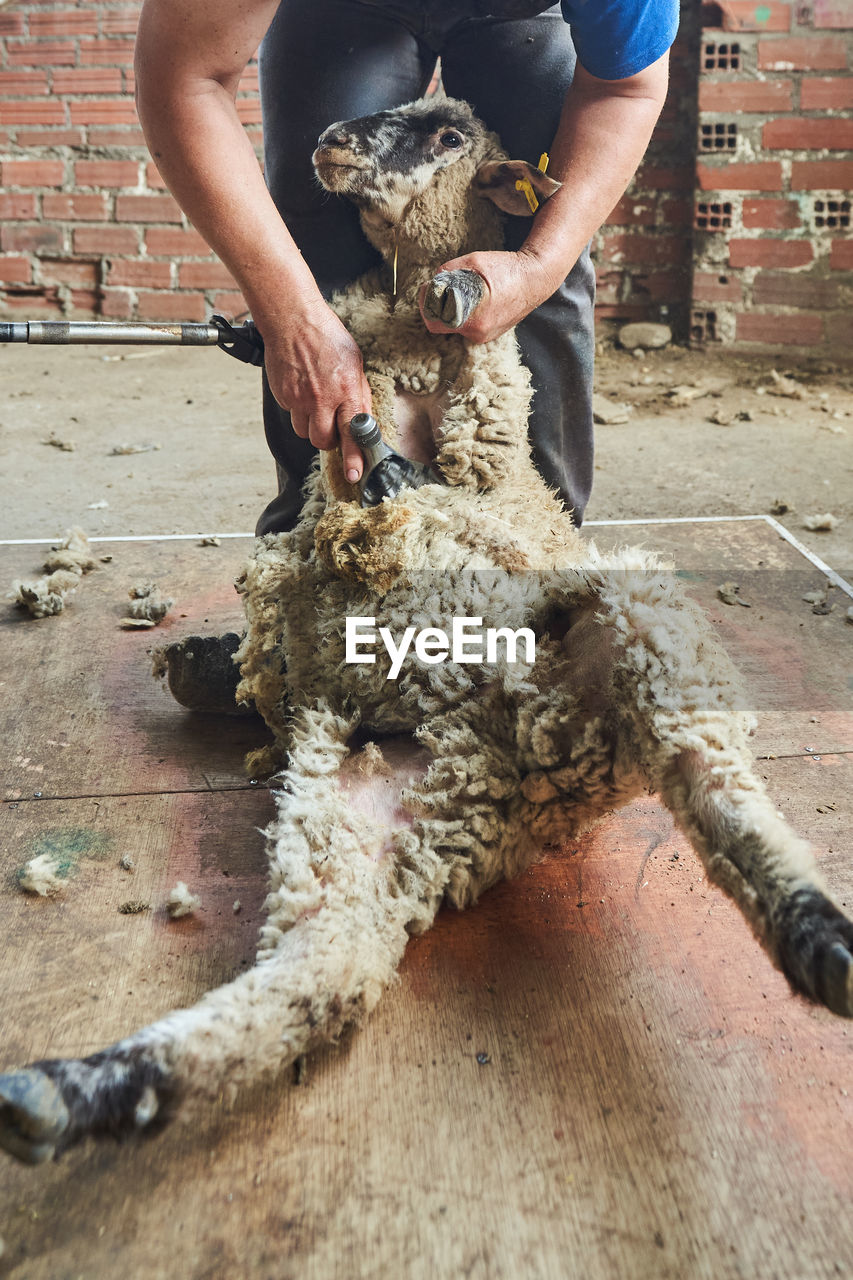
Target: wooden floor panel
[{"x": 595, "y": 1072}]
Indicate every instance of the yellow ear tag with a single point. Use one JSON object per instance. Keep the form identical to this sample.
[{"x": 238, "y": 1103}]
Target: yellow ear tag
[{"x": 525, "y": 185}]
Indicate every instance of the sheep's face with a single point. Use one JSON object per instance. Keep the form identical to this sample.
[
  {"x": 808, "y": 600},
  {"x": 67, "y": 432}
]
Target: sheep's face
[{"x": 385, "y": 161}]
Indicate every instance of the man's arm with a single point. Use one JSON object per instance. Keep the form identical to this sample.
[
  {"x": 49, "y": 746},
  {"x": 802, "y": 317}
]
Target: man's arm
[
  {"x": 189, "y": 59},
  {"x": 603, "y": 134}
]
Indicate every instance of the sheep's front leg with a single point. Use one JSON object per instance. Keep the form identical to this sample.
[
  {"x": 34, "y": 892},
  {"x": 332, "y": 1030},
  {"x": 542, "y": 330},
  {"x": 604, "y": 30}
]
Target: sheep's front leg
[
  {"x": 675, "y": 693},
  {"x": 453, "y": 296},
  {"x": 345, "y": 885}
]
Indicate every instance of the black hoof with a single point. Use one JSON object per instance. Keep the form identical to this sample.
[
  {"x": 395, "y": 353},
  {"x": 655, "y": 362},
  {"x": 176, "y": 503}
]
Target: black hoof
[
  {"x": 33, "y": 1116},
  {"x": 201, "y": 673},
  {"x": 453, "y": 296},
  {"x": 816, "y": 951}
]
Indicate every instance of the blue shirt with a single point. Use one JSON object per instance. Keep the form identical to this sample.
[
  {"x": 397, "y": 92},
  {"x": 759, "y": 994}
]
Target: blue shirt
[{"x": 617, "y": 38}]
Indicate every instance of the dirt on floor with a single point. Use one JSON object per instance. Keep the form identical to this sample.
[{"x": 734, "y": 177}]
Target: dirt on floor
[{"x": 161, "y": 440}]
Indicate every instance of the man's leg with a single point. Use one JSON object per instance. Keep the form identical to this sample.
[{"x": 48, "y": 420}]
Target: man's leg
[
  {"x": 515, "y": 74},
  {"x": 323, "y": 61}
]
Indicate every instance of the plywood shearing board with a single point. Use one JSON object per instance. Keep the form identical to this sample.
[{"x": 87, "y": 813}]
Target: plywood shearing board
[{"x": 594, "y": 1072}]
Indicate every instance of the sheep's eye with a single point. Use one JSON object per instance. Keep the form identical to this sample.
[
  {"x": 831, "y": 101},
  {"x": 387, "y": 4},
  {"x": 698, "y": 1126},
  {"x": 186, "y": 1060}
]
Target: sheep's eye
[{"x": 451, "y": 139}]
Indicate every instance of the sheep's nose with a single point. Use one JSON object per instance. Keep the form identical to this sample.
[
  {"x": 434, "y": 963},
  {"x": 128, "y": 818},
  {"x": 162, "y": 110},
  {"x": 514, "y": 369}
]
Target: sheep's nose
[{"x": 335, "y": 136}]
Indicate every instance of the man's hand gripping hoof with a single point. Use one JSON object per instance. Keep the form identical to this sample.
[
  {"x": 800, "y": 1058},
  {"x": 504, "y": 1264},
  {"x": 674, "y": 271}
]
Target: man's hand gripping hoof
[{"x": 452, "y": 297}]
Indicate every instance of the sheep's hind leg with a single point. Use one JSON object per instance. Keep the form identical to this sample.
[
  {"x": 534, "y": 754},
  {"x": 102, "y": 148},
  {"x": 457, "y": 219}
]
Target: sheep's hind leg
[
  {"x": 338, "y": 916},
  {"x": 677, "y": 696}
]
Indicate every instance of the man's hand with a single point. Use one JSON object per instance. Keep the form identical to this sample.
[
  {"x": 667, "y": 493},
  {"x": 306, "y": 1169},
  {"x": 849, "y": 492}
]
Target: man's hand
[
  {"x": 514, "y": 284},
  {"x": 315, "y": 370}
]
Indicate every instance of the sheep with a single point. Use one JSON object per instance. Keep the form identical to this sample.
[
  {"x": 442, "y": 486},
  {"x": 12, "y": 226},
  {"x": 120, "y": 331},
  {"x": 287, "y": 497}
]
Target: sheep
[{"x": 468, "y": 766}]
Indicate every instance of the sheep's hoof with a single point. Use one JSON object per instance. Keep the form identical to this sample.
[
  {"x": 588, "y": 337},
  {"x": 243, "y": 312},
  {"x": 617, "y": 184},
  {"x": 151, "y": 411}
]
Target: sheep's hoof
[
  {"x": 816, "y": 950},
  {"x": 201, "y": 673},
  {"x": 453, "y": 296},
  {"x": 33, "y": 1116}
]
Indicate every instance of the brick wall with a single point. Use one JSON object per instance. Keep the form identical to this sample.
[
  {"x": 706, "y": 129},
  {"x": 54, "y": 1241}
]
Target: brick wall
[
  {"x": 86, "y": 225},
  {"x": 722, "y": 232},
  {"x": 773, "y": 249},
  {"x": 643, "y": 253}
]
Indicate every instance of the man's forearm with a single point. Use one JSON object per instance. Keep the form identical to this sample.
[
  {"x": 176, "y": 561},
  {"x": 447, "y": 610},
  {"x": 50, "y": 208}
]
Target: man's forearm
[
  {"x": 202, "y": 151},
  {"x": 602, "y": 137}
]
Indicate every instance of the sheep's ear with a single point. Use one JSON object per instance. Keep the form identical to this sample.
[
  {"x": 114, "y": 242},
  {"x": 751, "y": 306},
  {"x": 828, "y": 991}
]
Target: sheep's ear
[{"x": 496, "y": 181}]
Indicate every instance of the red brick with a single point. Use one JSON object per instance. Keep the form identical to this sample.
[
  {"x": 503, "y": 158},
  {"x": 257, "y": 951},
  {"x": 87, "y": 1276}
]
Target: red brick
[
  {"x": 832, "y": 13},
  {"x": 632, "y": 211},
  {"x": 204, "y": 275},
  {"x": 41, "y": 53},
  {"x": 796, "y": 289},
  {"x": 15, "y": 270},
  {"x": 173, "y": 243},
  {"x": 126, "y": 137},
  {"x": 831, "y": 93},
  {"x": 796, "y": 331},
  {"x": 746, "y": 15},
  {"x": 16, "y": 205},
  {"x": 35, "y": 301},
  {"x": 709, "y": 287},
  {"x": 67, "y": 22},
  {"x": 32, "y": 111},
  {"x": 798, "y": 134},
  {"x": 106, "y": 173},
  {"x": 841, "y": 255},
  {"x": 31, "y": 238},
  {"x": 11, "y": 24},
  {"x": 150, "y": 275},
  {"x": 669, "y": 250},
  {"x": 88, "y": 80},
  {"x": 153, "y": 178},
  {"x": 761, "y": 176},
  {"x": 770, "y": 253},
  {"x": 231, "y": 305},
  {"x": 75, "y": 208},
  {"x": 85, "y": 302},
  {"x": 130, "y": 82},
  {"x": 116, "y": 304},
  {"x": 50, "y": 137},
  {"x": 32, "y": 173},
  {"x": 803, "y": 53},
  {"x": 147, "y": 209},
  {"x": 658, "y": 178},
  {"x": 106, "y": 53},
  {"x": 745, "y": 95},
  {"x": 69, "y": 271},
  {"x": 249, "y": 81},
  {"x": 624, "y": 311},
  {"x": 101, "y": 240},
  {"x": 822, "y": 175},
  {"x": 103, "y": 111},
  {"x": 171, "y": 306},
  {"x": 678, "y": 213},
  {"x": 119, "y": 24},
  {"x": 771, "y": 215},
  {"x": 659, "y": 286},
  {"x": 17, "y": 83}
]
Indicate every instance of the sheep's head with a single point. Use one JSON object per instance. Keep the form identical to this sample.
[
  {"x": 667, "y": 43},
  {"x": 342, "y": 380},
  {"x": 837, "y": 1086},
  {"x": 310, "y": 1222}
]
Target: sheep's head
[{"x": 422, "y": 176}]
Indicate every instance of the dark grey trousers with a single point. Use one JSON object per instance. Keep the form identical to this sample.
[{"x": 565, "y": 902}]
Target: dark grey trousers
[{"x": 328, "y": 60}]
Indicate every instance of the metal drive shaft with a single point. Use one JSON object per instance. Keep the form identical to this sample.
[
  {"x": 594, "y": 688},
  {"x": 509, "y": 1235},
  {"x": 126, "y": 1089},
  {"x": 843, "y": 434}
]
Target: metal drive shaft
[{"x": 71, "y": 332}]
